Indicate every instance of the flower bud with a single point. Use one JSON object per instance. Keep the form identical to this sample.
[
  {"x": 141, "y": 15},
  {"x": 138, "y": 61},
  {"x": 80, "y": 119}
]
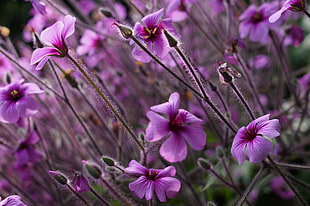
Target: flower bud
[
  {"x": 92, "y": 169},
  {"x": 108, "y": 161},
  {"x": 105, "y": 12},
  {"x": 61, "y": 179},
  {"x": 80, "y": 183},
  {"x": 126, "y": 31},
  {"x": 173, "y": 42},
  {"x": 204, "y": 164}
]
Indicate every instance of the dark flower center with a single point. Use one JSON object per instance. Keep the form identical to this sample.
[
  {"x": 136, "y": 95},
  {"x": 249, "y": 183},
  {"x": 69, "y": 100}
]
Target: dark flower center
[
  {"x": 150, "y": 34},
  {"x": 15, "y": 95},
  {"x": 251, "y": 134},
  {"x": 151, "y": 175},
  {"x": 257, "y": 17},
  {"x": 182, "y": 7},
  {"x": 176, "y": 124}
]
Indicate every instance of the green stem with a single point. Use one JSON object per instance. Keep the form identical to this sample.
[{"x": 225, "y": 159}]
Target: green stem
[
  {"x": 78, "y": 195},
  {"x": 92, "y": 83},
  {"x": 100, "y": 198},
  {"x": 293, "y": 166}
]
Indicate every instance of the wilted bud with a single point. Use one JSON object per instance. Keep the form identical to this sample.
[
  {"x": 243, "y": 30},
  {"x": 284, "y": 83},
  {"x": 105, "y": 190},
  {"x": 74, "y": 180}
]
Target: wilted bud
[
  {"x": 92, "y": 169},
  {"x": 204, "y": 164},
  {"x": 108, "y": 161},
  {"x": 173, "y": 42},
  {"x": 4, "y": 31},
  {"x": 60, "y": 178},
  {"x": 226, "y": 73},
  {"x": 126, "y": 31},
  {"x": 80, "y": 183}
]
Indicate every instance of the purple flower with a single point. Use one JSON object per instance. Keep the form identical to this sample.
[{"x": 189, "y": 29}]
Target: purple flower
[
  {"x": 294, "y": 36},
  {"x": 293, "y": 5},
  {"x": 176, "y": 9},
  {"x": 16, "y": 102},
  {"x": 280, "y": 188},
  {"x": 25, "y": 153},
  {"x": 182, "y": 126},
  {"x": 13, "y": 200},
  {"x": 150, "y": 180},
  {"x": 304, "y": 82},
  {"x": 254, "y": 22},
  {"x": 260, "y": 61},
  {"x": 80, "y": 183},
  {"x": 252, "y": 140},
  {"x": 54, "y": 36},
  {"x": 151, "y": 35}
]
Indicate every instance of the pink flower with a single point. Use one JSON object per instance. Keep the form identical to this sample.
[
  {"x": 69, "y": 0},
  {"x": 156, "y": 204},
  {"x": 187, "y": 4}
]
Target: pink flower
[
  {"x": 252, "y": 140},
  {"x": 150, "y": 33},
  {"x": 80, "y": 183},
  {"x": 13, "y": 200},
  {"x": 179, "y": 124},
  {"x": 153, "y": 180},
  {"x": 16, "y": 102},
  {"x": 54, "y": 36},
  {"x": 176, "y": 9},
  {"x": 280, "y": 188},
  {"x": 293, "y": 5}
]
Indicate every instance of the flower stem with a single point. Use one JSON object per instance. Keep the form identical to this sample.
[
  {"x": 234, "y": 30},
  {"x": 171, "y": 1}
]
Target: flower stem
[
  {"x": 207, "y": 100},
  {"x": 250, "y": 187},
  {"x": 78, "y": 195},
  {"x": 90, "y": 81},
  {"x": 288, "y": 182},
  {"x": 306, "y": 12},
  {"x": 100, "y": 198},
  {"x": 293, "y": 166}
]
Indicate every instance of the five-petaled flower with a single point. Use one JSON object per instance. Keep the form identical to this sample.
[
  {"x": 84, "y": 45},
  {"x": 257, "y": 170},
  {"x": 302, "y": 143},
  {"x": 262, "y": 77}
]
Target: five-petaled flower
[
  {"x": 153, "y": 180},
  {"x": 151, "y": 35},
  {"x": 181, "y": 124},
  {"x": 54, "y": 36},
  {"x": 252, "y": 140},
  {"x": 293, "y": 5},
  {"x": 16, "y": 102}
]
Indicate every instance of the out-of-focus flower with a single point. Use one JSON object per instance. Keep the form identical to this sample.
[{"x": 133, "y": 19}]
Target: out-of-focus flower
[
  {"x": 153, "y": 180},
  {"x": 90, "y": 41},
  {"x": 13, "y": 200},
  {"x": 180, "y": 124},
  {"x": 80, "y": 183},
  {"x": 280, "y": 188},
  {"x": 60, "y": 178},
  {"x": 258, "y": 62},
  {"x": 25, "y": 153},
  {"x": 39, "y": 6},
  {"x": 252, "y": 140},
  {"x": 254, "y": 22},
  {"x": 54, "y": 36},
  {"x": 294, "y": 36},
  {"x": 16, "y": 102},
  {"x": 292, "y": 5},
  {"x": 151, "y": 35},
  {"x": 304, "y": 81},
  {"x": 177, "y": 9}
]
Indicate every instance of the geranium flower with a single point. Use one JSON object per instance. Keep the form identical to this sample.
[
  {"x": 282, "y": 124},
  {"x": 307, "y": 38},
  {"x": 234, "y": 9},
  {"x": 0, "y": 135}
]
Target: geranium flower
[
  {"x": 176, "y": 9},
  {"x": 180, "y": 124},
  {"x": 54, "y": 36},
  {"x": 16, "y": 102},
  {"x": 150, "y": 33},
  {"x": 293, "y": 5},
  {"x": 13, "y": 200},
  {"x": 153, "y": 180},
  {"x": 252, "y": 140},
  {"x": 80, "y": 183},
  {"x": 279, "y": 186}
]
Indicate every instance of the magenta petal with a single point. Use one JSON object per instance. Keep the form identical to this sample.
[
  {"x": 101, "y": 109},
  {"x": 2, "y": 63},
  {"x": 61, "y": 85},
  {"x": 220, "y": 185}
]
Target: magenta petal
[
  {"x": 169, "y": 108},
  {"x": 189, "y": 118},
  {"x": 135, "y": 168},
  {"x": 259, "y": 32},
  {"x": 258, "y": 121},
  {"x": 157, "y": 128},
  {"x": 68, "y": 28},
  {"x": 168, "y": 171},
  {"x": 195, "y": 136},
  {"x": 173, "y": 149},
  {"x": 32, "y": 137},
  {"x": 258, "y": 149},
  {"x": 27, "y": 107},
  {"x": 22, "y": 157},
  {"x": 270, "y": 129},
  {"x": 32, "y": 88},
  {"x": 244, "y": 29},
  {"x": 42, "y": 63},
  {"x": 153, "y": 19},
  {"x": 9, "y": 112},
  {"x": 139, "y": 186},
  {"x": 53, "y": 35},
  {"x": 140, "y": 55},
  {"x": 167, "y": 186},
  {"x": 238, "y": 146},
  {"x": 174, "y": 186},
  {"x": 149, "y": 190},
  {"x": 161, "y": 47},
  {"x": 41, "y": 53}
]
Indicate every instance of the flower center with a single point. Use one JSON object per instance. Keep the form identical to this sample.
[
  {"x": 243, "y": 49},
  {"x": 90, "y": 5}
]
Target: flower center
[
  {"x": 152, "y": 174},
  {"x": 152, "y": 33},
  {"x": 251, "y": 134},
  {"x": 15, "y": 95},
  {"x": 175, "y": 124},
  {"x": 257, "y": 17}
]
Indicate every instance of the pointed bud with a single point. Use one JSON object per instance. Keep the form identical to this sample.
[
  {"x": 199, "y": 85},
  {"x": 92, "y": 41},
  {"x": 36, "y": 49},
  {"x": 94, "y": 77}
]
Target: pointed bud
[
  {"x": 173, "y": 42},
  {"x": 92, "y": 169},
  {"x": 126, "y": 31},
  {"x": 60, "y": 178},
  {"x": 204, "y": 164},
  {"x": 71, "y": 79},
  {"x": 8, "y": 78},
  {"x": 108, "y": 161},
  {"x": 105, "y": 12}
]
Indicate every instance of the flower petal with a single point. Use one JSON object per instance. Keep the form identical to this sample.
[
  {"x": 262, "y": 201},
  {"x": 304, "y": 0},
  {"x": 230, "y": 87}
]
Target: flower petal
[
  {"x": 9, "y": 112},
  {"x": 270, "y": 129},
  {"x": 174, "y": 149},
  {"x": 167, "y": 172},
  {"x": 68, "y": 28},
  {"x": 26, "y": 107},
  {"x": 32, "y": 88},
  {"x": 53, "y": 34},
  {"x": 195, "y": 136},
  {"x": 135, "y": 168},
  {"x": 258, "y": 149},
  {"x": 152, "y": 19},
  {"x": 169, "y": 108},
  {"x": 139, "y": 186},
  {"x": 157, "y": 128},
  {"x": 167, "y": 186},
  {"x": 238, "y": 146},
  {"x": 140, "y": 55}
]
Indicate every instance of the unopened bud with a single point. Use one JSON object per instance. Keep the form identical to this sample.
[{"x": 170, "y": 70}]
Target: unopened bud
[
  {"x": 8, "y": 78},
  {"x": 126, "y": 31},
  {"x": 298, "y": 6},
  {"x": 204, "y": 164},
  {"x": 173, "y": 42},
  {"x": 106, "y": 12},
  {"x": 108, "y": 161},
  {"x": 37, "y": 42},
  {"x": 70, "y": 79},
  {"x": 92, "y": 169},
  {"x": 61, "y": 179}
]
